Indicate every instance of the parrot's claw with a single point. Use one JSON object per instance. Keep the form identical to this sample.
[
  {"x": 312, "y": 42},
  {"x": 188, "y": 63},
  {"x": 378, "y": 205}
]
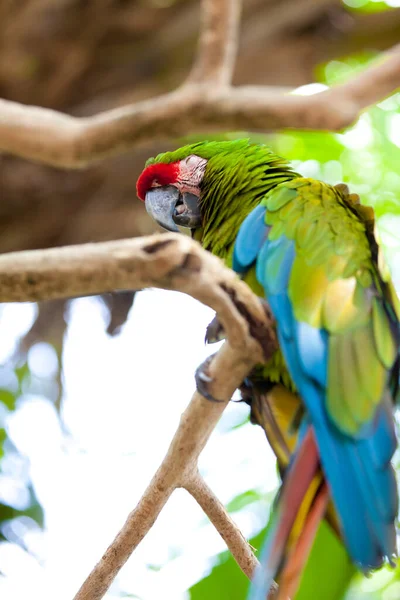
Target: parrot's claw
[
  {"x": 214, "y": 332},
  {"x": 203, "y": 380}
]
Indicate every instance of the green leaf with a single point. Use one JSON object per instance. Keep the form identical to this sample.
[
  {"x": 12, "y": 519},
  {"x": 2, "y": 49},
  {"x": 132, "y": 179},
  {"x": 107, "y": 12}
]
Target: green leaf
[
  {"x": 8, "y": 399},
  {"x": 327, "y": 575},
  {"x": 226, "y": 579},
  {"x": 21, "y": 372},
  {"x": 243, "y": 500},
  {"x": 329, "y": 570},
  {"x": 3, "y": 436}
]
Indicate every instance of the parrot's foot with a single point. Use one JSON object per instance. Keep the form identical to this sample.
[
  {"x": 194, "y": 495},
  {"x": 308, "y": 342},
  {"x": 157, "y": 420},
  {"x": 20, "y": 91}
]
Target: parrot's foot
[
  {"x": 214, "y": 332},
  {"x": 203, "y": 380}
]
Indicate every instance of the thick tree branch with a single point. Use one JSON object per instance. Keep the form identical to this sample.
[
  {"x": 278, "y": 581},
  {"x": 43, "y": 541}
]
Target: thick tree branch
[
  {"x": 218, "y": 42},
  {"x": 372, "y": 85},
  {"x": 64, "y": 141},
  {"x": 172, "y": 262}
]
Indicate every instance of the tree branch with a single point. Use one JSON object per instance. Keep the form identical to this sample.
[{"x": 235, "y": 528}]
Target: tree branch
[
  {"x": 64, "y": 141},
  {"x": 227, "y": 369},
  {"x": 168, "y": 261},
  {"x": 372, "y": 85},
  {"x": 229, "y": 531},
  {"x": 218, "y": 43},
  {"x": 226, "y": 527}
]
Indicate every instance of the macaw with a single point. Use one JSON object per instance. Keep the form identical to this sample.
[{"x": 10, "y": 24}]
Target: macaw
[{"x": 310, "y": 250}]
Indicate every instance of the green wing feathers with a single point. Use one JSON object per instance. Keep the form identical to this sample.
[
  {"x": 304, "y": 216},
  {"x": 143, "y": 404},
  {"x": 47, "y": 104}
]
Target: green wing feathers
[{"x": 336, "y": 284}]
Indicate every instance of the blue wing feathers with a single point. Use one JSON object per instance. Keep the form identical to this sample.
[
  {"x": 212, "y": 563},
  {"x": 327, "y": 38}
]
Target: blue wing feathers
[
  {"x": 274, "y": 264},
  {"x": 358, "y": 471},
  {"x": 250, "y": 239},
  {"x": 384, "y": 438},
  {"x": 313, "y": 351}
]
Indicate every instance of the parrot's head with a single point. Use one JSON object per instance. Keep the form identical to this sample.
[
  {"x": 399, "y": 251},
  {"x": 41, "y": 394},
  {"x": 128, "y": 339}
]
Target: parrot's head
[
  {"x": 209, "y": 187},
  {"x": 171, "y": 191}
]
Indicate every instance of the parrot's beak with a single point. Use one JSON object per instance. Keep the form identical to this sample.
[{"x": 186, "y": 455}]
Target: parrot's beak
[
  {"x": 169, "y": 208},
  {"x": 160, "y": 204}
]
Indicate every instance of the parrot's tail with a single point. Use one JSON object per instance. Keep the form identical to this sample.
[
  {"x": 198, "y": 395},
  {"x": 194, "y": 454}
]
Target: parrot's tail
[
  {"x": 291, "y": 573},
  {"x": 302, "y": 505}
]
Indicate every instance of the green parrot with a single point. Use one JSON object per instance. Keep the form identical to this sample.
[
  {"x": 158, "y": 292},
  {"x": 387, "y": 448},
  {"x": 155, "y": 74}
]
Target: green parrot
[{"x": 310, "y": 250}]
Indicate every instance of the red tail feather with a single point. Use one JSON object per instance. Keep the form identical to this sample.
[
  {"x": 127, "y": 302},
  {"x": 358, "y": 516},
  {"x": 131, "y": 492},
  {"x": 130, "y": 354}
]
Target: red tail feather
[
  {"x": 295, "y": 486},
  {"x": 291, "y": 573}
]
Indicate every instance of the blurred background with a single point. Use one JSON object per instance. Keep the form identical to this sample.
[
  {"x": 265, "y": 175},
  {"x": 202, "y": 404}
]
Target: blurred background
[{"x": 91, "y": 389}]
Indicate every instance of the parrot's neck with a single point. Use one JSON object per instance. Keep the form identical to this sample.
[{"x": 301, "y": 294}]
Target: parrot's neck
[{"x": 225, "y": 208}]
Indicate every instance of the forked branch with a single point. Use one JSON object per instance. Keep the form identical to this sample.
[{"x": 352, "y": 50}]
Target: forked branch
[
  {"x": 205, "y": 104},
  {"x": 228, "y": 369},
  {"x": 171, "y": 262}
]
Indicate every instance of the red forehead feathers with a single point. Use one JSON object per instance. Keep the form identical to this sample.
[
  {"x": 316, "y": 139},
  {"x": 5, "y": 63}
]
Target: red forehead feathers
[{"x": 162, "y": 173}]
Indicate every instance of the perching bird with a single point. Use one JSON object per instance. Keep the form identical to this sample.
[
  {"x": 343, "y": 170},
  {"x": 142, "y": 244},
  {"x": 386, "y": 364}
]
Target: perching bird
[{"x": 309, "y": 248}]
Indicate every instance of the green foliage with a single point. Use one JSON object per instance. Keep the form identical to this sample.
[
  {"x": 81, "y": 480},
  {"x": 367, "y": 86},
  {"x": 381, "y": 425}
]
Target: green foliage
[
  {"x": 366, "y": 156},
  {"x": 367, "y": 6},
  {"x": 328, "y": 571},
  {"x": 226, "y": 580},
  {"x": 8, "y": 399},
  {"x": 243, "y": 500},
  {"x": 327, "y": 579}
]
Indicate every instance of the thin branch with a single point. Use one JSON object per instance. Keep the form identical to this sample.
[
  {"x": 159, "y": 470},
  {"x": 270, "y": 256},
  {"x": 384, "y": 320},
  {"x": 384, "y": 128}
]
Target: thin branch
[
  {"x": 218, "y": 42},
  {"x": 226, "y": 527},
  {"x": 168, "y": 261},
  {"x": 227, "y": 369},
  {"x": 64, "y": 141}
]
